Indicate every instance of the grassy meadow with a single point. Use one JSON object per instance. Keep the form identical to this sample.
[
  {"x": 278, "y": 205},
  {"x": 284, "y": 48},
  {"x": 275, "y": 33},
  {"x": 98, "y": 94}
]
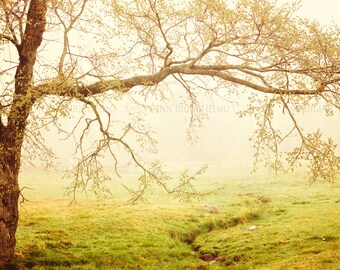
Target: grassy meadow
[{"x": 297, "y": 227}]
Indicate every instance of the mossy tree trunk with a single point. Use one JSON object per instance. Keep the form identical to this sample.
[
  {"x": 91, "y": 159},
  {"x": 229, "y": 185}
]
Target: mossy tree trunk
[
  {"x": 13, "y": 130},
  {"x": 9, "y": 195},
  {"x": 11, "y": 140}
]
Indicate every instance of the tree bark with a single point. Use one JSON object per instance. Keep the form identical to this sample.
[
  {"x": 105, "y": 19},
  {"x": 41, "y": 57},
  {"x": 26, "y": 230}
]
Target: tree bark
[
  {"x": 12, "y": 135},
  {"x": 10, "y": 151},
  {"x": 9, "y": 215},
  {"x": 10, "y": 157},
  {"x": 11, "y": 140}
]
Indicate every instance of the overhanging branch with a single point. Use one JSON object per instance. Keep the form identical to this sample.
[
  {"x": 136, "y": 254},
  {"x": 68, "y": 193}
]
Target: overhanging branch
[{"x": 61, "y": 87}]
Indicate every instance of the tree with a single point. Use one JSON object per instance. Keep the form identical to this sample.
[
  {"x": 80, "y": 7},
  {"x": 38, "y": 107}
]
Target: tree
[{"x": 93, "y": 52}]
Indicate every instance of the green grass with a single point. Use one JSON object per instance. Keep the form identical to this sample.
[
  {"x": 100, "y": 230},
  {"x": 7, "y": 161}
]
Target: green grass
[{"x": 298, "y": 228}]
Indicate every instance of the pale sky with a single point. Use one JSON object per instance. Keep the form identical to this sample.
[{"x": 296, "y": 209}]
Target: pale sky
[{"x": 324, "y": 11}]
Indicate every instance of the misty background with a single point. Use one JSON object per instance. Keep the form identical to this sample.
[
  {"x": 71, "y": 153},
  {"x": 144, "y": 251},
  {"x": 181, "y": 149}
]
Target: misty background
[{"x": 223, "y": 140}]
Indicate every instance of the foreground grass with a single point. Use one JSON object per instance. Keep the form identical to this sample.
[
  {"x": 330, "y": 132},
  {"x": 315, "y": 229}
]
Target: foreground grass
[{"x": 298, "y": 227}]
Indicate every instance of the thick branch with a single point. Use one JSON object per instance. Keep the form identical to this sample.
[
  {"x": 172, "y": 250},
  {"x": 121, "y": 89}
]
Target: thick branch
[
  {"x": 35, "y": 27},
  {"x": 124, "y": 85},
  {"x": 22, "y": 99}
]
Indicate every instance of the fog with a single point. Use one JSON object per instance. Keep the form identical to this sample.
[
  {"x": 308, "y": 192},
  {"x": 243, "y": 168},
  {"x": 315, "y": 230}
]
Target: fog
[{"x": 223, "y": 139}]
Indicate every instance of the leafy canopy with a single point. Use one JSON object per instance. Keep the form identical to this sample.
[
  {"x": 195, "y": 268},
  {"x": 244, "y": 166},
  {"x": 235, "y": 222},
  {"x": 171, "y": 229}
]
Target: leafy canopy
[{"x": 95, "y": 53}]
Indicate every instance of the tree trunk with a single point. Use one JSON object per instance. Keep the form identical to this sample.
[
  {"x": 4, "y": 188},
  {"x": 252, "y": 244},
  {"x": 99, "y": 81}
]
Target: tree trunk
[
  {"x": 11, "y": 140},
  {"x": 10, "y": 152},
  {"x": 9, "y": 195},
  {"x": 12, "y": 134}
]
